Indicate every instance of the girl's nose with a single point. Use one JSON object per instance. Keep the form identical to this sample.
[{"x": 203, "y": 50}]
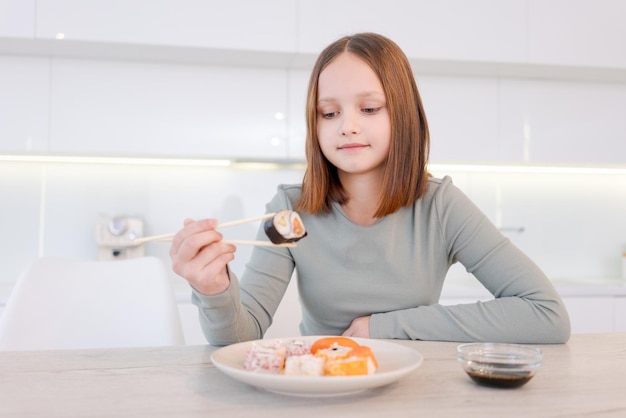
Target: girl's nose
[{"x": 350, "y": 124}]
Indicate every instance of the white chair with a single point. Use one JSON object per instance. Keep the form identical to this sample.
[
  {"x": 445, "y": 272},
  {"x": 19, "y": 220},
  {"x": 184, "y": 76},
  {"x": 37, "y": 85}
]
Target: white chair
[{"x": 69, "y": 304}]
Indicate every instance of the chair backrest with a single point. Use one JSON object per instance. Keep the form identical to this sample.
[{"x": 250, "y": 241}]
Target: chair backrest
[{"x": 67, "y": 304}]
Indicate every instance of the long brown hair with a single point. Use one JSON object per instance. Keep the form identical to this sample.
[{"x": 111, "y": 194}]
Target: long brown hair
[{"x": 405, "y": 178}]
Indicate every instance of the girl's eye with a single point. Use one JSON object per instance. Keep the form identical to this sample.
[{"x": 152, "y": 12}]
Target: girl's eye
[
  {"x": 329, "y": 115},
  {"x": 370, "y": 110}
]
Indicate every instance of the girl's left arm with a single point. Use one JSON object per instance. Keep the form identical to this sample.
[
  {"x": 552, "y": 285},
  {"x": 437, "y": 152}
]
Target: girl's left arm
[{"x": 526, "y": 307}]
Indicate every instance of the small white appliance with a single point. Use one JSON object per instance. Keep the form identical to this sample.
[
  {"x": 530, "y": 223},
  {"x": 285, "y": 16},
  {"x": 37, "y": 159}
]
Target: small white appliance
[{"x": 115, "y": 237}]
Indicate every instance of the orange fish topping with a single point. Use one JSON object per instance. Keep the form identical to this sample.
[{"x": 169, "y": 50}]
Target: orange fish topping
[{"x": 328, "y": 342}]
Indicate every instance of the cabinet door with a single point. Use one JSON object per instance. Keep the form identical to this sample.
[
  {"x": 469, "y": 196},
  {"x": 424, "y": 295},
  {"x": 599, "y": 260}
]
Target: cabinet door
[
  {"x": 590, "y": 314},
  {"x": 484, "y": 30},
  {"x": 298, "y": 84},
  {"x": 461, "y": 287},
  {"x": 237, "y": 24},
  {"x": 285, "y": 324},
  {"x": 620, "y": 314},
  {"x": 24, "y": 87},
  {"x": 115, "y": 107},
  {"x": 577, "y": 32},
  {"x": 462, "y": 117},
  {"x": 17, "y": 18},
  {"x": 288, "y": 316},
  {"x": 566, "y": 122},
  {"x": 191, "y": 324}
]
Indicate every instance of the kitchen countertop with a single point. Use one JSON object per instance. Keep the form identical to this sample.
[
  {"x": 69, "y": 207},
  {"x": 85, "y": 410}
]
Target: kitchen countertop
[{"x": 582, "y": 378}]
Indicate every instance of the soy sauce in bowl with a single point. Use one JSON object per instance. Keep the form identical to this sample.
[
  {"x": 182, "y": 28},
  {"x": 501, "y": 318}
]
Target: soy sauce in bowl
[{"x": 499, "y": 365}]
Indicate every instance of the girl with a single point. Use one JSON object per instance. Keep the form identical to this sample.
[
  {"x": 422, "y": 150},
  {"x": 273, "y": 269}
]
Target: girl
[{"x": 382, "y": 233}]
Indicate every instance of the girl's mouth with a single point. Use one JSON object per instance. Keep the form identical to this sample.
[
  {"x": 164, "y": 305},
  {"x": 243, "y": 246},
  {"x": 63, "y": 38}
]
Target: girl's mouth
[{"x": 352, "y": 146}]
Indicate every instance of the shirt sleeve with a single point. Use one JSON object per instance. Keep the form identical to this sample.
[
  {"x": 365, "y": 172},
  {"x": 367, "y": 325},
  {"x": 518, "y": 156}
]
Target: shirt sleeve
[
  {"x": 244, "y": 311},
  {"x": 526, "y": 307}
]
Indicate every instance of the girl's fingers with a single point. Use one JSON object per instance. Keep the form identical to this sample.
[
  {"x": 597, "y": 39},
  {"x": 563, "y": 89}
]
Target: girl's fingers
[
  {"x": 199, "y": 255},
  {"x": 208, "y": 266},
  {"x": 212, "y": 257},
  {"x": 190, "y": 229},
  {"x": 207, "y": 271}
]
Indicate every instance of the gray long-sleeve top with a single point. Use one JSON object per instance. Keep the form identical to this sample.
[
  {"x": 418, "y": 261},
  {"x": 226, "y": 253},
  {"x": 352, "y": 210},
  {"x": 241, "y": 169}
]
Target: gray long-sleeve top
[{"x": 393, "y": 270}]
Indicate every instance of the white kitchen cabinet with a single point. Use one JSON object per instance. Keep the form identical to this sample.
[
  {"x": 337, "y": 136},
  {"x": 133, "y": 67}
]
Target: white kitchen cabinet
[
  {"x": 24, "y": 104},
  {"x": 620, "y": 314},
  {"x": 577, "y": 33},
  {"x": 562, "y": 122},
  {"x": 191, "y": 324},
  {"x": 286, "y": 321},
  {"x": 17, "y": 18},
  {"x": 587, "y": 314},
  {"x": 240, "y": 25},
  {"x": 104, "y": 105},
  {"x": 590, "y": 314},
  {"x": 120, "y": 107},
  {"x": 484, "y": 30},
  {"x": 298, "y": 81},
  {"x": 513, "y": 37},
  {"x": 592, "y": 308},
  {"x": 461, "y": 287},
  {"x": 458, "y": 134}
]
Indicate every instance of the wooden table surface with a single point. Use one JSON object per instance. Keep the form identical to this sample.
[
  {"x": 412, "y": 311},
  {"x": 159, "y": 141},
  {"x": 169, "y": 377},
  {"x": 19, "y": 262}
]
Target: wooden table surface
[{"x": 585, "y": 377}]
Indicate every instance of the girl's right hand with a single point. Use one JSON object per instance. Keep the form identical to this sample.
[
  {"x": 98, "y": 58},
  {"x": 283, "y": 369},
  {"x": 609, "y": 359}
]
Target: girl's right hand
[{"x": 200, "y": 256}]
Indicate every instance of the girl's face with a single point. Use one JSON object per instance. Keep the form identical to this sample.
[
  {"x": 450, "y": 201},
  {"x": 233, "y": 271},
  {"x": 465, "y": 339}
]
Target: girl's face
[{"x": 353, "y": 123}]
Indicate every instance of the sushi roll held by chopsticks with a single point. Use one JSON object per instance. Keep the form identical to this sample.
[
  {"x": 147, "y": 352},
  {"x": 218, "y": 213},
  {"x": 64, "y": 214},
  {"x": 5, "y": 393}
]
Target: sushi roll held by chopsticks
[{"x": 284, "y": 227}]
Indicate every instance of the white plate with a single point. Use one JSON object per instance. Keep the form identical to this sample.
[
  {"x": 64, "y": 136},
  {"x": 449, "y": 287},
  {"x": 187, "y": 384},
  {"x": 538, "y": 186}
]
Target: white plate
[{"x": 394, "y": 362}]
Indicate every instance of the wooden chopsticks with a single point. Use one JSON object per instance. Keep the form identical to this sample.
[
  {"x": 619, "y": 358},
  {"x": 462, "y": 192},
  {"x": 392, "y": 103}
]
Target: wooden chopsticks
[{"x": 168, "y": 237}]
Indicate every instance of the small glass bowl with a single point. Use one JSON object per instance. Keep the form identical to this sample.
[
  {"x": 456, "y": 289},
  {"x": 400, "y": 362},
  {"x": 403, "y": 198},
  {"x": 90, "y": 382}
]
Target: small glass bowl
[{"x": 498, "y": 364}]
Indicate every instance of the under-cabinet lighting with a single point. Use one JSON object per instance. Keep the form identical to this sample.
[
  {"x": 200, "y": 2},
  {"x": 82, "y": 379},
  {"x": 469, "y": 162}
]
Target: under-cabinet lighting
[
  {"x": 527, "y": 169},
  {"x": 269, "y": 165},
  {"x": 76, "y": 159},
  {"x": 261, "y": 164}
]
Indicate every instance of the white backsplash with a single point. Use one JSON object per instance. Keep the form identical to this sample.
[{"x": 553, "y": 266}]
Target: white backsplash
[{"x": 573, "y": 224}]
